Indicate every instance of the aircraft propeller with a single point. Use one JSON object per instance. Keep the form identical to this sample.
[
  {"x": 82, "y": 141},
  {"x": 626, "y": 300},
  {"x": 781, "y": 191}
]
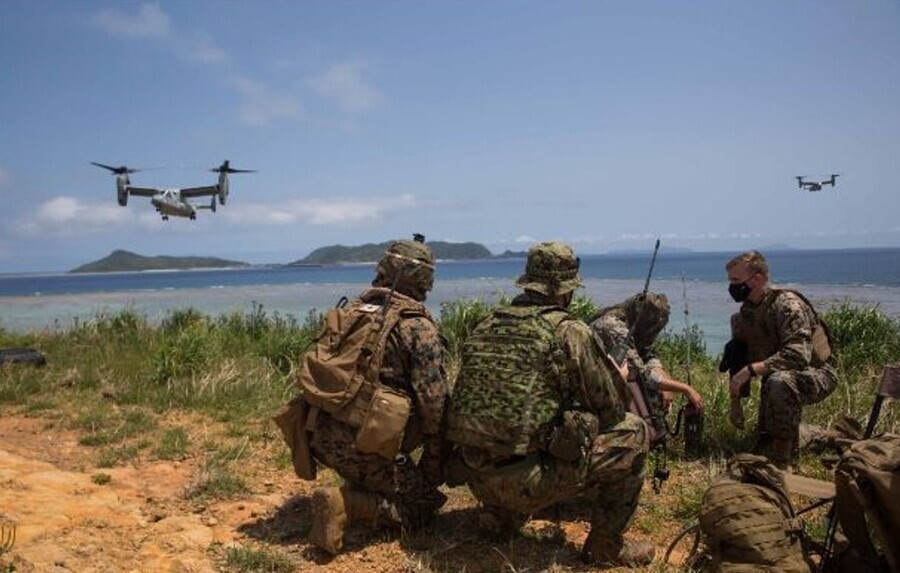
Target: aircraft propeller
[
  {"x": 120, "y": 170},
  {"x": 226, "y": 168}
]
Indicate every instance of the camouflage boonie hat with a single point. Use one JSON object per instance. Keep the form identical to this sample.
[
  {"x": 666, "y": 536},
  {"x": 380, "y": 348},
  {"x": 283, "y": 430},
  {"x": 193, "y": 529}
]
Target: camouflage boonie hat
[
  {"x": 551, "y": 269},
  {"x": 409, "y": 266}
]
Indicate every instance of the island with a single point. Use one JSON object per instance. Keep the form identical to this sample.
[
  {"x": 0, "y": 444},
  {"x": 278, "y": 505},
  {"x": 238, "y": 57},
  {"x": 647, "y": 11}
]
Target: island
[
  {"x": 125, "y": 261},
  {"x": 371, "y": 252},
  {"x": 120, "y": 261}
]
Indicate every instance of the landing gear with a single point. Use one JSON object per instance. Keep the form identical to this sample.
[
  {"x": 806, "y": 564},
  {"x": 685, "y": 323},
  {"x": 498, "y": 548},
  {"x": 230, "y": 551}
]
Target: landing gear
[
  {"x": 165, "y": 217},
  {"x": 193, "y": 216}
]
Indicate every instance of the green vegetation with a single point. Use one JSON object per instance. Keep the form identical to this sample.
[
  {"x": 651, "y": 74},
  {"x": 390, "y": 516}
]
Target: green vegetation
[
  {"x": 116, "y": 377},
  {"x": 251, "y": 559},
  {"x": 205, "y": 387},
  {"x": 127, "y": 261}
]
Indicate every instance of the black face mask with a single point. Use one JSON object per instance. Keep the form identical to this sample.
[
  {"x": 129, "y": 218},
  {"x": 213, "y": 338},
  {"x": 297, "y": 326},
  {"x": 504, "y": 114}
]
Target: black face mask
[{"x": 739, "y": 292}]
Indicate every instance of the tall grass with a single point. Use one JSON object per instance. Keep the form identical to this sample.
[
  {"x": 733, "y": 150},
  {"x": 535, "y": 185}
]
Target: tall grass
[
  {"x": 114, "y": 377},
  {"x": 238, "y": 368}
]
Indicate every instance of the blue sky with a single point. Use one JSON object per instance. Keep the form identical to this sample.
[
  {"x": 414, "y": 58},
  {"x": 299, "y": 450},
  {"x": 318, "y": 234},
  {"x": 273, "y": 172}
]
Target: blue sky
[{"x": 603, "y": 124}]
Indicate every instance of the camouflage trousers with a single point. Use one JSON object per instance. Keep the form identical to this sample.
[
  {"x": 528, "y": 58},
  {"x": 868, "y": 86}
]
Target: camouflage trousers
[
  {"x": 783, "y": 396},
  {"x": 608, "y": 478},
  {"x": 411, "y": 502}
]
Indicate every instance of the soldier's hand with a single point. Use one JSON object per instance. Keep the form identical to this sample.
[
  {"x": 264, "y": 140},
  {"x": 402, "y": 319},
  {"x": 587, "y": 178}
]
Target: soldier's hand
[
  {"x": 622, "y": 368},
  {"x": 737, "y": 381},
  {"x": 696, "y": 400}
]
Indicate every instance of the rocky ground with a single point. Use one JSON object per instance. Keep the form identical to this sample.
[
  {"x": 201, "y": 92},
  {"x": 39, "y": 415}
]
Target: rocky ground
[{"x": 69, "y": 515}]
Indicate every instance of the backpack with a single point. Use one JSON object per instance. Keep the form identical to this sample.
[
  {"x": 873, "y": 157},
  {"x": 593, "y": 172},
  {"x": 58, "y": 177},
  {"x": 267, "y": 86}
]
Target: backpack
[
  {"x": 340, "y": 375},
  {"x": 508, "y": 393},
  {"x": 867, "y": 480},
  {"x": 822, "y": 341},
  {"x": 748, "y": 523}
]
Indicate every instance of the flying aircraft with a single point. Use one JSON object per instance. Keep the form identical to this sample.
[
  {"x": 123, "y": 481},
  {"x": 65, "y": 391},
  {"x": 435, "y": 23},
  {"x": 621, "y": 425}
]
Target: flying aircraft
[
  {"x": 815, "y": 185},
  {"x": 174, "y": 201}
]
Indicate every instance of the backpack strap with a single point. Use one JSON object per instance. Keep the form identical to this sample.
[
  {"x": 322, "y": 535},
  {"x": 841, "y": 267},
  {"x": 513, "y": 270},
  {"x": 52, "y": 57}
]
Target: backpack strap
[
  {"x": 820, "y": 324},
  {"x": 396, "y": 307}
]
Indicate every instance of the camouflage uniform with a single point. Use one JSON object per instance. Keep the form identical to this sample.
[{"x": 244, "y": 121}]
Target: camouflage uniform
[
  {"x": 378, "y": 490},
  {"x": 612, "y": 325},
  {"x": 608, "y": 471},
  {"x": 779, "y": 331},
  {"x": 413, "y": 364}
]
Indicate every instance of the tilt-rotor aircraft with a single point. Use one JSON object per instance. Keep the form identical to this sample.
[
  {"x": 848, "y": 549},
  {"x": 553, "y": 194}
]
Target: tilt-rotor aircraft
[
  {"x": 174, "y": 201},
  {"x": 815, "y": 185}
]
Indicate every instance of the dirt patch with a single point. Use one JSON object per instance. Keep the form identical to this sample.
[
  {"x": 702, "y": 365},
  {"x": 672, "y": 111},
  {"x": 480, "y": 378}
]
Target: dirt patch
[{"x": 70, "y": 515}]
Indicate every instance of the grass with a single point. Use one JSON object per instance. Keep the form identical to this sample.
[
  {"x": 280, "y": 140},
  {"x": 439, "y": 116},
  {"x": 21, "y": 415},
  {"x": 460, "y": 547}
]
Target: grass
[
  {"x": 243, "y": 559},
  {"x": 205, "y": 387},
  {"x": 115, "y": 376}
]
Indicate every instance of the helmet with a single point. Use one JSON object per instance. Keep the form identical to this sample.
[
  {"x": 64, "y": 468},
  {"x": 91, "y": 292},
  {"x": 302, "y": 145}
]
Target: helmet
[
  {"x": 407, "y": 267},
  {"x": 647, "y": 315},
  {"x": 551, "y": 269}
]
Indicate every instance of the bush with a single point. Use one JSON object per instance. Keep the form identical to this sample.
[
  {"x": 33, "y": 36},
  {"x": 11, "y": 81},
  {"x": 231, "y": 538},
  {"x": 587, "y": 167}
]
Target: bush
[{"x": 863, "y": 336}]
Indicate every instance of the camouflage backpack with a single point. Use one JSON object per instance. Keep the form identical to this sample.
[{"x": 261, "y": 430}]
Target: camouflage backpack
[
  {"x": 867, "y": 481},
  {"x": 748, "y": 523},
  {"x": 508, "y": 392}
]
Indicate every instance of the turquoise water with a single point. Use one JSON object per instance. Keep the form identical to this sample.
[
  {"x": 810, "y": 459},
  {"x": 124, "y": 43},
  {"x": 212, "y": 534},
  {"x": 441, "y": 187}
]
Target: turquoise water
[{"x": 37, "y": 302}]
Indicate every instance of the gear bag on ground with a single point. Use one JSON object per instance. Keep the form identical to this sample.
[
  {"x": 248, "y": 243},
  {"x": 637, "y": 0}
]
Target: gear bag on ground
[
  {"x": 748, "y": 523},
  {"x": 867, "y": 480}
]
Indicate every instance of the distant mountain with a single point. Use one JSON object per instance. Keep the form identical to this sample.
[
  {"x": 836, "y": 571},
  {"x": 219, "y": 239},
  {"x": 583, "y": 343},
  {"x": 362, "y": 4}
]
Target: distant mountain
[
  {"x": 127, "y": 261},
  {"x": 508, "y": 254},
  {"x": 371, "y": 252},
  {"x": 641, "y": 251}
]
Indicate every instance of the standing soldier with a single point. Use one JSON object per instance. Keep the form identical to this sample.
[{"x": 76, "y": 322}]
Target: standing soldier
[
  {"x": 787, "y": 346},
  {"x": 388, "y": 339},
  {"x": 539, "y": 415}
]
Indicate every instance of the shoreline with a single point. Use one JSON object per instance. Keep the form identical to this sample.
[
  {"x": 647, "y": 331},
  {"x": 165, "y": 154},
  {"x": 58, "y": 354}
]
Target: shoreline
[{"x": 708, "y": 303}]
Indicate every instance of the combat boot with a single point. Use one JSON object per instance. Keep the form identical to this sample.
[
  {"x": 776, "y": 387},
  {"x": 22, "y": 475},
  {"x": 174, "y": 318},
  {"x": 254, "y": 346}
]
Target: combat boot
[
  {"x": 601, "y": 549},
  {"x": 499, "y": 523},
  {"x": 361, "y": 507},
  {"x": 336, "y": 508},
  {"x": 329, "y": 519}
]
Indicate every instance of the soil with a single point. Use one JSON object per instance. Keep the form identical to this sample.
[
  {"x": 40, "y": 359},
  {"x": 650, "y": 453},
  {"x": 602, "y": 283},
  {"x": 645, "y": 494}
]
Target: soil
[{"x": 70, "y": 515}]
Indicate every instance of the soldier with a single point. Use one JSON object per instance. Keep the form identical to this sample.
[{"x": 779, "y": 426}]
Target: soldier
[
  {"x": 636, "y": 323},
  {"x": 538, "y": 415},
  {"x": 787, "y": 347},
  {"x": 396, "y": 491}
]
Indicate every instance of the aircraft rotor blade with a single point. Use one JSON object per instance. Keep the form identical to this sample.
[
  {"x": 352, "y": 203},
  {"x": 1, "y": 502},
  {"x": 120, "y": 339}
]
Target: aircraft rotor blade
[
  {"x": 226, "y": 168},
  {"x": 117, "y": 170}
]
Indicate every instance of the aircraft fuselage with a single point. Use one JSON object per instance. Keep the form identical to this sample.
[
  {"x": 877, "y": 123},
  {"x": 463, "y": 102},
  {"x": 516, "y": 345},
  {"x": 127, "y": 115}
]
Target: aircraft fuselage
[{"x": 169, "y": 202}]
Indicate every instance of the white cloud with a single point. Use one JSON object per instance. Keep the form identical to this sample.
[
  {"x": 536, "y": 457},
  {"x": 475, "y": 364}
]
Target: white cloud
[
  {"x": 347, "y": 85},
  {"x": 69, "y": 216},
  {"x": 262, "y": 105},
  {"x": 149, "y": 22},
  {"x": 202, "y": 49},
  {"x": 525, "y": 239},
  {"x": 316, "y": 212},
  {"x": 152, "y": 23}
]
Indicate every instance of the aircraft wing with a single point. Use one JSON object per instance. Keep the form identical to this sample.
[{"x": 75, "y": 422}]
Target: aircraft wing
[
  {"x": 200, "y": 191},
  {"x": 143, "y": 191}
]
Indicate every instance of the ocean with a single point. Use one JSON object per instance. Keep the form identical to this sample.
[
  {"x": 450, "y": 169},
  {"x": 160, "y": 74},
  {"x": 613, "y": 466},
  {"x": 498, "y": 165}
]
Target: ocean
[{"x": 695, "y": 281}]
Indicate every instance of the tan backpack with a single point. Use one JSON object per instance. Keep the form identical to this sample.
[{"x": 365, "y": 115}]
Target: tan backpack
[
  {"x": 340, "y": 375},
  {"x": 867, "y": 481},
  {"x": 748, "y": 523}
]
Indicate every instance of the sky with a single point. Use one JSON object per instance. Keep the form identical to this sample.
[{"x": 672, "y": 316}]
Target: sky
[{"x": 603, "y": 124}]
